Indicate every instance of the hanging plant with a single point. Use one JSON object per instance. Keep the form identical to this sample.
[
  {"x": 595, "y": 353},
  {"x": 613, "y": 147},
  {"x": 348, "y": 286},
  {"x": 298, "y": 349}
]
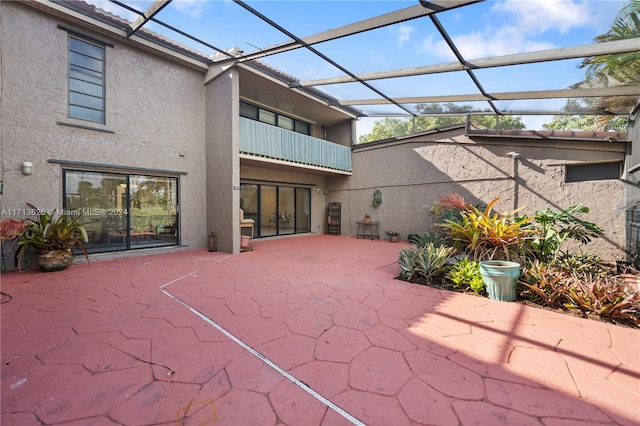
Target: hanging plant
[{"x": 377, "y": 197}]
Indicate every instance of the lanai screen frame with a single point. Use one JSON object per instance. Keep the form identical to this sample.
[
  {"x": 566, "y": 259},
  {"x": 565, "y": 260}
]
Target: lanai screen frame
[{"x": 423, "y": 9}]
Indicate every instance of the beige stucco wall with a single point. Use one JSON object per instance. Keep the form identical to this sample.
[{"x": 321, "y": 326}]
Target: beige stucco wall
[
  {"x": 154, "y": 115},
  {"x": 414, "y": 172},
  {"x": 341, "y": 133}
]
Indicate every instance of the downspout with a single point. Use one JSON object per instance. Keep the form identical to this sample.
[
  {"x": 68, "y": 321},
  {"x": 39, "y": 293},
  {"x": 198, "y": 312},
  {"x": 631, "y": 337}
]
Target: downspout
[{"x": 516, "y": 177}]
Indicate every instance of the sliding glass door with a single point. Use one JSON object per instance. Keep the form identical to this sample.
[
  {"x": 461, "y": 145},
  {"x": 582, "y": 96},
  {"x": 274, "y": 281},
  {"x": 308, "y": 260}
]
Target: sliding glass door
[
  {"x": 153, "y": 210},
  {"x": 286, "y": 209},
  {"x": 268, "y": 211},
  {"x": 277, "y": 209},
  {"x": 303, "y": 210},
  {"x": 122, "y": 211}
]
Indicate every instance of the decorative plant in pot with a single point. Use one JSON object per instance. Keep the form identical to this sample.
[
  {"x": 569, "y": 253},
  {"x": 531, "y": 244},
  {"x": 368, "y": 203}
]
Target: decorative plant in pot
[
  {"x": 377, "y": 198},
  {"x": 394, "y": 236},
  {"x": 367, "y": 218},
  {"x": 496, "y": 240},
  {"x": 53, "y": 238}
]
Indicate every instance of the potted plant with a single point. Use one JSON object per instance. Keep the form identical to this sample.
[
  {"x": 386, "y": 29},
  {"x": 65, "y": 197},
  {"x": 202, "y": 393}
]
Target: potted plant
[
  {"x": 377, "y": 198},
  {"x": 367, "y": 218},
  {"x": 496, "y": 240},
  {"x": 53, "y": 238},
  {"x": 394, "y": 236}
]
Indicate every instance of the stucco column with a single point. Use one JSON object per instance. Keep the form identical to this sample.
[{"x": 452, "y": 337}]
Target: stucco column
[{"x": 223, "y": 160}]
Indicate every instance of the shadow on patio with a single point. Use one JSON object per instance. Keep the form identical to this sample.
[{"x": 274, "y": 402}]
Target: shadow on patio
[{"x": 302, "y": 331}]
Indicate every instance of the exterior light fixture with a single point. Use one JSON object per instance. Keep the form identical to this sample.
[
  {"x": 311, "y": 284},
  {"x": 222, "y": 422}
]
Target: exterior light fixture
[
  {"x": 318, "y": 191},
  {"x": 27, "y": 168}
]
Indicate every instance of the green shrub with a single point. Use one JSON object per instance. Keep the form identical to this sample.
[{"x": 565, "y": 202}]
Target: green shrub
[
  {"x": 552, "y": 229},
  {"x": 582, "y": 263},
  {"x": 544, "y": 285},
  {"x": 488, "y": 235},
  {"x": 421, "y": 264},
  {"x": 464, "y": 275},
  {"x": 425, "y": 238},
  {"x": 604, "y": 296},
  {"x": 598, "y": 294}
]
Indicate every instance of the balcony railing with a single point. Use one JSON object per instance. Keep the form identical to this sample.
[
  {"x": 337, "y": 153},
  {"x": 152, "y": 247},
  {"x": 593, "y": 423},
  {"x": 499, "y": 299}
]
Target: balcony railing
[{"x": 269, "y": 141}]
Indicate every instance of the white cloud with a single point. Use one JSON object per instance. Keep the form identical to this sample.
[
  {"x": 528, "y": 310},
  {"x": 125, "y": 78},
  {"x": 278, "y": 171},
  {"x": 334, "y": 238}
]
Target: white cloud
[
  {"x": 428, "y": 45},
  {"x": 191, "y": 8},
  {"x": 505, "y": 41},
  {"x": 538, "y": 16},
  {"x": 515, "y": 26},
  {"x": 404, "y": 34}
]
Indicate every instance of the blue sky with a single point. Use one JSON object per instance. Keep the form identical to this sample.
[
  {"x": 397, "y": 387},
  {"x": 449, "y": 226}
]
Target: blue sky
[{"x": 490, "y": 28}]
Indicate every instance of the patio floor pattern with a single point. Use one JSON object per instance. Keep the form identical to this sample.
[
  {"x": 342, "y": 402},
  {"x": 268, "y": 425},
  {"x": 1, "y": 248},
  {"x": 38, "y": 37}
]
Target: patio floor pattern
[{"x": 307, "y": 330}]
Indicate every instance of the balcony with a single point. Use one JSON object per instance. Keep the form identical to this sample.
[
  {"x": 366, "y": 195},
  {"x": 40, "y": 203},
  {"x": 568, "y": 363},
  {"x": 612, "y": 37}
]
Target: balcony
[{"x": 267, "y": 141}]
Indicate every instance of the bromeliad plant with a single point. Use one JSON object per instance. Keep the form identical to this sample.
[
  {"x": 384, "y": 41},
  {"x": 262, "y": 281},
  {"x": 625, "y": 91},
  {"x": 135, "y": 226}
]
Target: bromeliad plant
[
  {"x": 421, "y": 264},
  {"x": 421, "y": 240},
  {"x": 488, "y": 235},
  {"x": 49, "y": 232},
  {"x": 604, "y": 297},
  {"x": 465, "y": 274},
  {"x": 543, "y": 285}
]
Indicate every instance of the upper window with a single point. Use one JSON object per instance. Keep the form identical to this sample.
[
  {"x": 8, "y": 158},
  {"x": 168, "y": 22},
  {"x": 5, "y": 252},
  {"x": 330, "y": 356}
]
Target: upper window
[
  {"x": 588, "y": 172},
  {"x": 86, "y": 80},
  {"x": 276, "y": 119}
]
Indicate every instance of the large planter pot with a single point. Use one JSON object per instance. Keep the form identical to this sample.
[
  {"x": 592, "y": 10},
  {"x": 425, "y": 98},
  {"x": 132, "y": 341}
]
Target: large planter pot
[
  {"x": 500, "y": 279},
  {"x": 54, "y": 260}
]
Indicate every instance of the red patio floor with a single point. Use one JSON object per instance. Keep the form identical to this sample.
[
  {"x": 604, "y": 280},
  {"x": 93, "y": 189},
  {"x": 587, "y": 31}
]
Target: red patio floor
[{"x": 310, "y": 330}]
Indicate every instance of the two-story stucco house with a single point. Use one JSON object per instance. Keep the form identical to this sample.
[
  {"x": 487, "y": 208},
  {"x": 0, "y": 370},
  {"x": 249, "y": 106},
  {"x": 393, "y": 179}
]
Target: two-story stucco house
[
  {"x": 157, "y": 146},
  {"x": 153, "y": 143}
]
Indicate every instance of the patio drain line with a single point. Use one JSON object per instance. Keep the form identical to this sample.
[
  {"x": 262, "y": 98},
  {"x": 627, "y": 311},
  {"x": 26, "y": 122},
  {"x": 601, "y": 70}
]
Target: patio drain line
[{"x": 258, "y": 355}]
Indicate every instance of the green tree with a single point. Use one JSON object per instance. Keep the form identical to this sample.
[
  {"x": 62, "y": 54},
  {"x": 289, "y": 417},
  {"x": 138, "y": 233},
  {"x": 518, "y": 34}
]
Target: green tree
[
  {"x": 623, "y": 68},
  {"x": 387, "y": 128},
  {"x": 393, "y": 127},
  {"x": 585, "y": 122},
  {"x": 607, "y": 70}
]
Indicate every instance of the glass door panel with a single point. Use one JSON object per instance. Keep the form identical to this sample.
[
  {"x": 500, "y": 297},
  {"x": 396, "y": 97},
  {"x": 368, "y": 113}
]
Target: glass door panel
[
  {"x": 101, "y": 200},
  {"x": 277, "y": 210},
  {"x": 268, "y": 211},
  {"x": 250, "y": 202},
  {"x": 153, "y": 210},
  {"x": 303, "y": 210},
  {"x": 286, "y": 210}
]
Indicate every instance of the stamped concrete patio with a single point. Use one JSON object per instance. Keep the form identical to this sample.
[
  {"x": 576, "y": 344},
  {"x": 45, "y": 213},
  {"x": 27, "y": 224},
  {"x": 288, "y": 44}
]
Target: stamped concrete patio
[{"x": 310, "y": 330}]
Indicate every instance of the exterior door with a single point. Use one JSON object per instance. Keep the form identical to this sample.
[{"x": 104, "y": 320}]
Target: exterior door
[
  {"x": 277, "y": 210},
  {"x": 122, "y": 211}
]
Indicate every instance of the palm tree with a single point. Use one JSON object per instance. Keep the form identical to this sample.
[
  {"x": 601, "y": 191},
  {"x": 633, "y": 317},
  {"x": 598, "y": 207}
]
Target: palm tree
[
  {"x": 624, "y": 68},
  {"x": 616, "y": 68}
]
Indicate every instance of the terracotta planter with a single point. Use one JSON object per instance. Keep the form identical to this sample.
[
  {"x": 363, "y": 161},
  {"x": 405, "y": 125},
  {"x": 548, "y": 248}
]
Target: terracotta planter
[
  {"x": 54, "y": 260},
  {"x": 394, "y": 238},
  {"x": 367, "y": 219}
]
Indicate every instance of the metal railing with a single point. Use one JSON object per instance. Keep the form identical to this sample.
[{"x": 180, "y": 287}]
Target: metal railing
[{"x": 269, "y": 141}]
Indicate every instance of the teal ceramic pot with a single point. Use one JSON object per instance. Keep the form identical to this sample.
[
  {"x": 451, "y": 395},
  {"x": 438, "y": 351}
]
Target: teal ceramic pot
[{"x": 500, "y": 279}]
